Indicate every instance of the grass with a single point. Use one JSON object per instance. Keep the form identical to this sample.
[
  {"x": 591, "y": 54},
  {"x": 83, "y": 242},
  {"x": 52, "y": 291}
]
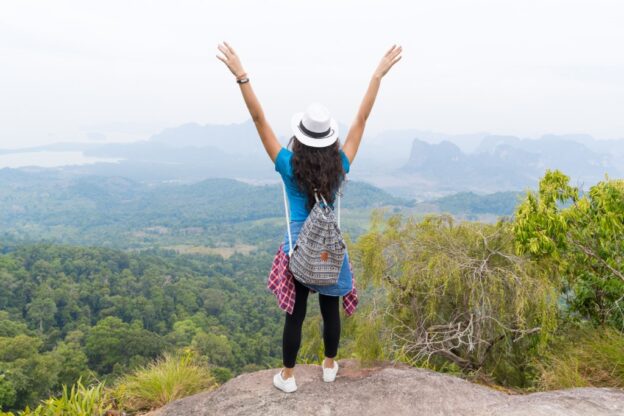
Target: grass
[
  {"x": 169, "y": 378},
  {"x": 584, "y": 357}
]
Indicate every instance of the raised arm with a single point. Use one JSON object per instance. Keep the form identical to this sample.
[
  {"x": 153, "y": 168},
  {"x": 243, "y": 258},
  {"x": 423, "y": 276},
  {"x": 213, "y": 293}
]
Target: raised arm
[
  {"x": 269, "y": 140},
  {"x": 354, "y": 136}
]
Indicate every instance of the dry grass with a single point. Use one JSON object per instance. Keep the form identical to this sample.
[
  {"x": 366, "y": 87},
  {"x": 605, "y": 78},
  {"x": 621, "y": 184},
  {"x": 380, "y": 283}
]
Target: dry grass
[{"x": 584, "y": 357}]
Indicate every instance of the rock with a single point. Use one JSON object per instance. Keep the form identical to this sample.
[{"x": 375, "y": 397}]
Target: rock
[{"x": 386, "y": 390}]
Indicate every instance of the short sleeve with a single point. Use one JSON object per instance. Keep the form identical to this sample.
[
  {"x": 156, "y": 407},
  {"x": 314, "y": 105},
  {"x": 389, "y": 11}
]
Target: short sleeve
[
  {"x": 345, "y": 161},
  {"x": 282, "y": 161}
]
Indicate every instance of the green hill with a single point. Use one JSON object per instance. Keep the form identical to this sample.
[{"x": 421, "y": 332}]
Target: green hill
[{"x": 119, "y": 212}]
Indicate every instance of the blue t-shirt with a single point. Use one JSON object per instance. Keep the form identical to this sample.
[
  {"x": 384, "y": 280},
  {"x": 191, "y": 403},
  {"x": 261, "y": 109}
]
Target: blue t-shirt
[{"x": 297, "y": 199}]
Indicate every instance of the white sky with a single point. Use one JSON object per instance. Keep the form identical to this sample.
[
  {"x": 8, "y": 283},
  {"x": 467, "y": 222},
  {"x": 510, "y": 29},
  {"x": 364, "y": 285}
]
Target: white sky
[{"x": 77, "y": 70}]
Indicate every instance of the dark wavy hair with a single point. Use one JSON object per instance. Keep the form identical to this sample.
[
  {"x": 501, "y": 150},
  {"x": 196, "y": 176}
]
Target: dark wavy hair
[{"x": 317, "y": 168}]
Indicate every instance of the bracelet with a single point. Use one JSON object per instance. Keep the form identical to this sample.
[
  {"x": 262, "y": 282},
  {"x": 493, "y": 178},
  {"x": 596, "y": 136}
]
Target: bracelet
[{"x": 243, "y": 80}]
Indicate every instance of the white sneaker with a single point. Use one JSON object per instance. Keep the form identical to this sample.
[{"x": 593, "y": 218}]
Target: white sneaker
[
  {"x": 287, "y": 385},
  {"x": 329, "y": 374}
]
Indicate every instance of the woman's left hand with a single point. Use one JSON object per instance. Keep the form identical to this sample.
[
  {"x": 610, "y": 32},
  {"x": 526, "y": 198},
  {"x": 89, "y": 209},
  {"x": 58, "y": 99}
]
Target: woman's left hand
[
  {"x": 390, "y": 58},
  {"x": 231, "y": 59}
]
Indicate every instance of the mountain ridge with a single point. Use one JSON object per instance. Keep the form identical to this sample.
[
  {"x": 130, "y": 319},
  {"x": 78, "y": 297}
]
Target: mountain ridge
[{"x": 411, "y": 163}]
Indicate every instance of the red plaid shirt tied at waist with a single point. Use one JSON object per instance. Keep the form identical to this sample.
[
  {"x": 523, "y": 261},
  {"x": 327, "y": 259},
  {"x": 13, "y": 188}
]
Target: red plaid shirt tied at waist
[{"x": 281, "y": 283}]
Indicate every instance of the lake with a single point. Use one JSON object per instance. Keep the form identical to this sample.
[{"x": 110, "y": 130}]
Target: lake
[{"x": 49, "y": 159}]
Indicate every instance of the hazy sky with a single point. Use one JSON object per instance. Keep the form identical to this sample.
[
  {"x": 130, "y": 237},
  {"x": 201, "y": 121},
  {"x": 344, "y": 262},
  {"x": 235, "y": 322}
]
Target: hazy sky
[{"x": 122, "y": 70}]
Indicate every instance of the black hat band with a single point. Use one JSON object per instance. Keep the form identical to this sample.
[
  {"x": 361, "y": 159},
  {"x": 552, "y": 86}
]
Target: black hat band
[{"x": 313, "y": 134}]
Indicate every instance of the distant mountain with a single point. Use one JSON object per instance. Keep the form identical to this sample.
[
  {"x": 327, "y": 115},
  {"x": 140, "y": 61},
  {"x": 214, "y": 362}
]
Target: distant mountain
[
  {"x": 500, "y": 163},
  {"x": 409, "y": 163},
  {"x": 237, "y": 138},
  {"x": 577, "y": 155},
  {"x": 444, "y": 168},
  {"x": 401, "y": 140}
]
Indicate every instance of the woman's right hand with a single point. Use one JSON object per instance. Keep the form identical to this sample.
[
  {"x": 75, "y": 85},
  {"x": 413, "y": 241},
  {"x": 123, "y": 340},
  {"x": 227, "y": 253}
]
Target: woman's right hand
[{"x": 390, "y": 58}]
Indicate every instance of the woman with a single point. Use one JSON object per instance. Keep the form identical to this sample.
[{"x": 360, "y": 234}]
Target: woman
[{"x": 314, "y": 162}]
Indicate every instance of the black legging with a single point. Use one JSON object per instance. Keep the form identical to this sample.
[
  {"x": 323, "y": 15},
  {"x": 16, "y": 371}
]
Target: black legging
[{"x": 291, "y": 339}]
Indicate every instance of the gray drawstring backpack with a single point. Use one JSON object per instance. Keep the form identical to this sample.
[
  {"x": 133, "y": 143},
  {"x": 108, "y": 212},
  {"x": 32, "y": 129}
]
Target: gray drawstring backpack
[{"x": 320, "y": 250}]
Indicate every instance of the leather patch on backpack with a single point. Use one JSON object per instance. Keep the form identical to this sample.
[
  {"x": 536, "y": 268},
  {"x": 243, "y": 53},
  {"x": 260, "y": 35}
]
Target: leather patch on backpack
[{"x": 324, "y": 256}]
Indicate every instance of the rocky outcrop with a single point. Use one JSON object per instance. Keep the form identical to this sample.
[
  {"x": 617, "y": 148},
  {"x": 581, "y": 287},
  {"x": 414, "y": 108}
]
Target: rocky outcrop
[{"x": 387, "y": 390}]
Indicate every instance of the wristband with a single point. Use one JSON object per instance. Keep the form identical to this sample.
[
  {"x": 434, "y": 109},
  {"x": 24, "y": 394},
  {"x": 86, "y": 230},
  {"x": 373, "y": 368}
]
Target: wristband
[{"x": 242, "y": 80}]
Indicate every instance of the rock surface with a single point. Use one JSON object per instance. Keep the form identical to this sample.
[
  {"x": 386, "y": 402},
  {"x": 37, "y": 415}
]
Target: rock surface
[{"x": 386, "y": 390}]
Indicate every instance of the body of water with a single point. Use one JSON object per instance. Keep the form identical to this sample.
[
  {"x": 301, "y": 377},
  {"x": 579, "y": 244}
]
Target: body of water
[{"x": 49, "y": 159}]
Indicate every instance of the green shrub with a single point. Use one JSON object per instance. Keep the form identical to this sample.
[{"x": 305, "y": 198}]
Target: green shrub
[
  {"x": 458, "y": 297},
  {"x": 369, "y": 346},
  {"x": 80, "y": 400},
  {"x": 169, "y": 378}
]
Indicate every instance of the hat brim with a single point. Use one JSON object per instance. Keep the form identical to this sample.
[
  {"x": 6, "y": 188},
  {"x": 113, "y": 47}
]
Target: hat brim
[{"x": 311, "y": 141}]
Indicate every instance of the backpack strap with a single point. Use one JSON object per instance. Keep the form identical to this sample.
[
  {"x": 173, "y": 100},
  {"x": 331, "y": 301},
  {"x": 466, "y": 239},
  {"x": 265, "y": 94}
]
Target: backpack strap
[
  {"x": 339, "y": 192},
  {"x": 325, "y": 202},
  {"x": 339, "y": 196},
  {"x": 290, "y": 247}
]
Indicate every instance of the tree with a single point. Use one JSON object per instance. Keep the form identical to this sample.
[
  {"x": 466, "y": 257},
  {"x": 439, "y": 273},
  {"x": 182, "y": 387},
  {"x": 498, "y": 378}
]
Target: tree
[
  {"x": 72, "y": 362},
  {"x": 183, "y": 332},
  {"x": 8, "y": 394},
  {"x": 584, "y": 236},
  {"x": 113, "y": 341},
  {"x": 42, "y": 308},
  {"x": 25, "y": 373},
  {"x": 216, "y": 348}
]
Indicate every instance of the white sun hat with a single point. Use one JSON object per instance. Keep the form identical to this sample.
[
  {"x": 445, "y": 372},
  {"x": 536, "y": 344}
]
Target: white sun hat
[{"x": 314, "y": 127}]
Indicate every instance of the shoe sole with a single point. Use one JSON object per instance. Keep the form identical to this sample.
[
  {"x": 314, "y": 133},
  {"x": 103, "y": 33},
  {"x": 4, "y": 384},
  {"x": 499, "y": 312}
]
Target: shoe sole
[{"x": 286, "y": 391}]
